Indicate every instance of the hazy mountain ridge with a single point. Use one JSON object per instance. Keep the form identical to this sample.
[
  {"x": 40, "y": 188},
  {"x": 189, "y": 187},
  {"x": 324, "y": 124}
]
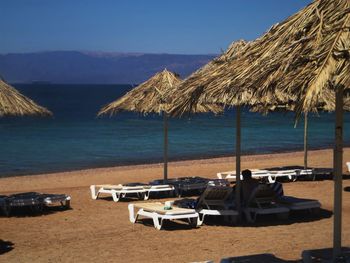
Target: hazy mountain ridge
[{"x": 94, "y": 67}]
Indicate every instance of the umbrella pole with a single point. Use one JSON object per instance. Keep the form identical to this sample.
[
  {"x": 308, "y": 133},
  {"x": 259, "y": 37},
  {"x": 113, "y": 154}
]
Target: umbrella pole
[
  {"x": 238, "y": 160},
  {"x": 338, "y": 171},
  {"x": 305, "y": 140},
  {"x": 165, "y": 121}
]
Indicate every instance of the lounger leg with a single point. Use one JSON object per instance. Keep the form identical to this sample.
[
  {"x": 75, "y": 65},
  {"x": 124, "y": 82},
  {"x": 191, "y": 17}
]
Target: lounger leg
[
  {"x": 132, "y": 217},
  {"x": 271, "y": 180},
  {"x": 93, "y": 192},
  {"x": 146, "y": 195},
  {"x": 200, "y": 219},
  {"x": 158, "y": 222},
  {"x": 115, "y": 196},
  {"x": 67, "y": 204}
]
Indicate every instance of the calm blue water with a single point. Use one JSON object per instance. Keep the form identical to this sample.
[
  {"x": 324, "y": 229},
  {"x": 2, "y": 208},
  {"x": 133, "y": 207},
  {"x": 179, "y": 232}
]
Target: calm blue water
[{"x": 74, "y": 138}]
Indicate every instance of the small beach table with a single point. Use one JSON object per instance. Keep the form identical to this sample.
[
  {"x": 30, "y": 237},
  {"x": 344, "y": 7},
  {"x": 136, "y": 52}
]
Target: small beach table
[{"x": 158, "y": 213}]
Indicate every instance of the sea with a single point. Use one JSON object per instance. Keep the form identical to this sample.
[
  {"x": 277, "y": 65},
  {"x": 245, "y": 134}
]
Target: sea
[{"x": 75, "y": 138}]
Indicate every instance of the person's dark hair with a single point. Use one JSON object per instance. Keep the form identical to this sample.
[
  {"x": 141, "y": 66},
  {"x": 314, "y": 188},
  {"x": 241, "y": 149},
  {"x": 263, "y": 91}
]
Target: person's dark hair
[{"x": 247, "y": 174}]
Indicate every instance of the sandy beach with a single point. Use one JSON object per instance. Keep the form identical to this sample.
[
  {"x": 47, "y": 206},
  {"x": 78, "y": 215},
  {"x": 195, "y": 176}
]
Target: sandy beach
[{"x": 100, "y": 231}]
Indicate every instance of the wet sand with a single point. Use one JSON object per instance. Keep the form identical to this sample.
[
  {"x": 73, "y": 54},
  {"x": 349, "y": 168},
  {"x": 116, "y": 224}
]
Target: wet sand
[{"x": 100, "y": 231}]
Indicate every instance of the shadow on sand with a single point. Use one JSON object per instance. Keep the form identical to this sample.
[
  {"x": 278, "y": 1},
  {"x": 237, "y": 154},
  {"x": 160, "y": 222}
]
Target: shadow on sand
[
  {"x": 167, "y": 225},
  {"x": 258, "y": 258},
  {"x": 5, "y": 246},
  {"x": 29, "y": 212},
  {"x": 302, "y": 216}
]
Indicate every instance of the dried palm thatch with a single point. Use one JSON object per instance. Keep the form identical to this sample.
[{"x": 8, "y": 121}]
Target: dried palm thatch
[
  {"x": 13, "y": 103},
  {"x": 151, "y": 96},
  {"x": 193, "y": 85},
  {"x": 303, "y": 57}
]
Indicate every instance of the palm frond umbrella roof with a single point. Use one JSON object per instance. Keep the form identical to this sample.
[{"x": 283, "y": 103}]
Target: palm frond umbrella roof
[
  {"x": 304, "y": 55},
  {"x": 194, "y": 83},
  {"x": 13, "y": 103},
  {"x": 151, "y": 96}
]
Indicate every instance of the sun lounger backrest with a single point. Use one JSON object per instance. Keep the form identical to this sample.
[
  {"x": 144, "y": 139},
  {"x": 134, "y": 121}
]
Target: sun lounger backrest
[
  {"x": 214, "y": 196},
  {"x": 261, "y": 195}
]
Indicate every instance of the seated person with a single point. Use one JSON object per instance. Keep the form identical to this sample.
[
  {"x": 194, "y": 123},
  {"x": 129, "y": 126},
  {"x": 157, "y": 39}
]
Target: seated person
[{"x": 248, "y": 185}]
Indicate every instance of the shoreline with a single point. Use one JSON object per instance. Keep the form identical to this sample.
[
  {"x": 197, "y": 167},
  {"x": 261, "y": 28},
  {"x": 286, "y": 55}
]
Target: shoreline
[
  {"x": 100, "y": 230},
  {"x": 147, "y": 172},
  {"x": 158, "y": 163}
]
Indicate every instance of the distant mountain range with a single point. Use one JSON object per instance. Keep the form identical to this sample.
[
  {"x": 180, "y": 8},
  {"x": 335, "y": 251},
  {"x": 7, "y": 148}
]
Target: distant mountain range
[{"x": 94, "y": 67}]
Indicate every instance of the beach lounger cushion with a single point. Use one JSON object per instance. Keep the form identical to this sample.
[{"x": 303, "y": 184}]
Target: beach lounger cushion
[
  {"x": 294, "y": 203},
  {"x": 158, "y": 213}
]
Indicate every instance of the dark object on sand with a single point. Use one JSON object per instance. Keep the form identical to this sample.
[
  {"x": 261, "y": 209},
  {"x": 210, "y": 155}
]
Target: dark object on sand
[
  {"x": 188, "y": 185},
  {"x": 32, "y": 200}
]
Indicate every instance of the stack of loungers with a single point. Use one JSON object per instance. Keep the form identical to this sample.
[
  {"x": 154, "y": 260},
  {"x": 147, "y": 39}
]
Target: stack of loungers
[{"x": 32, "y": 200}]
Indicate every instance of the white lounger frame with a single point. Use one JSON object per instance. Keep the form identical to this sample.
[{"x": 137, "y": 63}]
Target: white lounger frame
[
  {"x": 231, "y": 216},
  {"x": 117, "y": 192},
  {"x": 271, "y": 175},
  {"x": 159, "y": 218}
]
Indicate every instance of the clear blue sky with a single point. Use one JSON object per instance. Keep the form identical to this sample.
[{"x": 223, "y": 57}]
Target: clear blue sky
[{"x": 155, "y": 26}]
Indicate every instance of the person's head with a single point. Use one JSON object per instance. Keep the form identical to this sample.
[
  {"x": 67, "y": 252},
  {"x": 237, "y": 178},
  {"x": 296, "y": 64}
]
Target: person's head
[{"x": 247, "y": 174}]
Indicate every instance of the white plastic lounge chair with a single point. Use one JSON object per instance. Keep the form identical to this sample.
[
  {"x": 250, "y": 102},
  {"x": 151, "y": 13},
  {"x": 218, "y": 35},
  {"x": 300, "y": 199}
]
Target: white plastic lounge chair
[
  {"x": 213, "y": 202},
  {"x": 118, "y": 191},
  {"x": 157, "y": 212},
  {"x": 348, "y": 164},
  {"x": 295, "y": 203},
  {"x": 290, "y": 174},
  {"x": 231, "y": 175},
  {"x": 262, "y": 202},
  {"x": 158, "y": 188},
  {"x": 270, "y": 175}
]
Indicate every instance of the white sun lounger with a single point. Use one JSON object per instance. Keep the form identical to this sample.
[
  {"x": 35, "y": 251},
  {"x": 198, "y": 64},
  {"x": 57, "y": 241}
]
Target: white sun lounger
[
  {"x": 348, "y": 164},
  {"x": 297, "y": 204},
  {"x": 118, "y": 191},
  {"x": 294, "y": 203},
  {"x": 158, "y": 214},
  {"x": 262, "y": 202},
  {"x": 213, "y": 202},
  {"x": 271, "y": 175},
  {"x": 231, "y": 175}
]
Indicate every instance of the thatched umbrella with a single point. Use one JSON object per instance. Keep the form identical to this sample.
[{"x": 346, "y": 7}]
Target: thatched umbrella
[
  {"x": 151, "y": 97},
  {"x": 13, "y": 103},
  {"x": 187, "y": 93},
  {"x": 306, "y": 57},
  {"x": 194, "y": 85}
]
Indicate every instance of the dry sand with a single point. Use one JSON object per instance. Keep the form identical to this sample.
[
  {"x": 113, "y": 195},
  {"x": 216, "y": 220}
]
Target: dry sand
[{"x": 99, "y": 230}]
